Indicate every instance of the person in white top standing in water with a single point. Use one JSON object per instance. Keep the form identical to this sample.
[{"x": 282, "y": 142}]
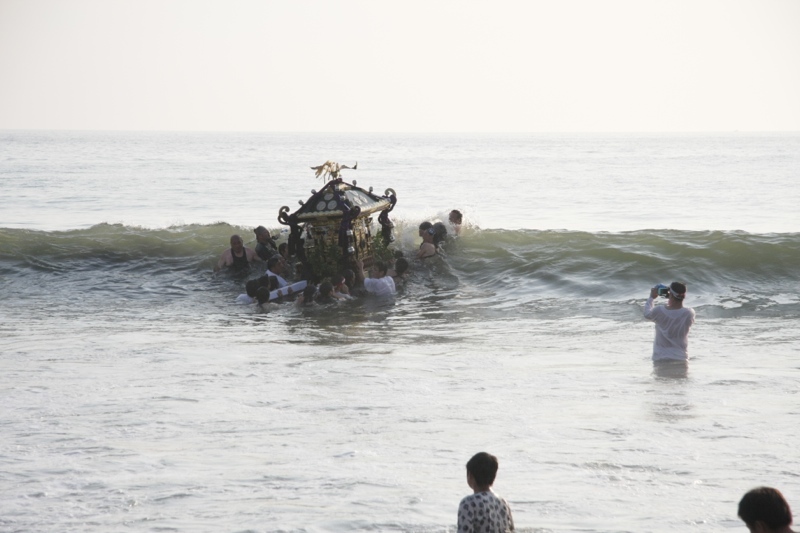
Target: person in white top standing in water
[
  {"x": 379, "y": 284},
  {"x": 673, "y": 322}
]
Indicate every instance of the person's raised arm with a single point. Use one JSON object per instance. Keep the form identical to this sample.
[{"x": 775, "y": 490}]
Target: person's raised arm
[
  {"x": 359, "y": 270},
  {"x": 649, "y": 304}
]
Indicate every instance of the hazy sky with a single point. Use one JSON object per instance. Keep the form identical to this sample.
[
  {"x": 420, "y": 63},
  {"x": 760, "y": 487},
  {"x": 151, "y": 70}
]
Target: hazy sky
[{"x": 408, "y": 66}]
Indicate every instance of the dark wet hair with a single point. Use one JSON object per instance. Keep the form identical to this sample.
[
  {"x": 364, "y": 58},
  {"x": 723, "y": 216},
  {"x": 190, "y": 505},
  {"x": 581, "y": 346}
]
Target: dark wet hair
[
  {"x": 272, "y": 261},
  {"x": 308, "y": 294},
  {"x": 251, "y": 287},
  {"x": 456, "y": 215},
  {"x": 349, "y": 276},
  {"x": 678, "y": 290},
  {"x": 262, "y": 295},
  {"x": 326, "y": 288},
  {"x": 381, "y": 266},
  {"x": 400, "y": 266},
  {"x": 425, "y": 226},
  {"x": 439, "y": 232},
  {"x": 273, "y": 283},
  {"x": 767, "y": 505},
  {"x": 483, "y": 467},
  {"x": 263, "y": 281}
]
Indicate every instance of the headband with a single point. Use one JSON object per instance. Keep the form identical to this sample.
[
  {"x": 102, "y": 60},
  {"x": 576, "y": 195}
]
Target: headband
[{"x": 676, "y": 295}]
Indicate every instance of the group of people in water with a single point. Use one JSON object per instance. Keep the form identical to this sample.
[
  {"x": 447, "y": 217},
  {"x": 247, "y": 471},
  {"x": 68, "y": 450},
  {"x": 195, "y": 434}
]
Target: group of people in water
[
  {"x": 672, "y": 321},
  {"x": 763, "y": 509},
  {"x": 382, "y": 279}
]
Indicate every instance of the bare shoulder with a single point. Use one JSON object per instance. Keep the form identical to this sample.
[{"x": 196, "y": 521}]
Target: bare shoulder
[{"x": 426, "y": 250}]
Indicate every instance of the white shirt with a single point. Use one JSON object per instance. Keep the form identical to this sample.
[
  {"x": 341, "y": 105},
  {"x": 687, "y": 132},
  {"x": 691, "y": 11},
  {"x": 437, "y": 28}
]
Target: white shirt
[
  {"x": 672, "y": 330},
  {"x": 380, "y": 286}
]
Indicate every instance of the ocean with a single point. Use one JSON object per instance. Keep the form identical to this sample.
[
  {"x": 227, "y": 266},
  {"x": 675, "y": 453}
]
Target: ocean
[{"x": 137, "y": 396}]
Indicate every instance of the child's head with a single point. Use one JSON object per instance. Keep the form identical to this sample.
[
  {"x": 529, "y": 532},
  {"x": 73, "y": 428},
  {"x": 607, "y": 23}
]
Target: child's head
[
  {"x": 251, "y": 287},
  {"x": 483, "y": 468},
  {"x": 326, "y": 289},
  {"x": 400, "y": 266},
  {"x": 308, "y": 294},
  {"x": 439, "y": 232},
  {"x": 262, "y": 295}
]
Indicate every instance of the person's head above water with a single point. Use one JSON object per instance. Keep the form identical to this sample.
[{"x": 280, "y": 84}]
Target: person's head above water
[
  {"x": 455, "y": 217},
  {"x": 308, "y": 294},
  {"x": 237, "y": 244},
  {"x": 677, "y": 290},
  {"x": 483, "y": 469},
  {"x": 425, "y": 226},
  {"x": 379, "y": 268},
  {"x": 251, "y": 287},
  {"x": 262, "y": 234},
  {"x": 764, "y": 510},
  {"x": 326, "y": 289},
  {"x": 401, "y": 266},
  {"x": 262, "y": 295},
  {"x": 275, "y": 263}
]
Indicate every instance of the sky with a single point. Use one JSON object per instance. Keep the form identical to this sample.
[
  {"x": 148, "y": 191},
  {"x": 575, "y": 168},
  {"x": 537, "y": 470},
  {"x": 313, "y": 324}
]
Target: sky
[{"x": 410, "y": 66}]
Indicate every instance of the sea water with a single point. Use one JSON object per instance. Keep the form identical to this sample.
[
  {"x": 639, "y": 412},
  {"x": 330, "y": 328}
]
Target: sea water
[{"x": 136, "y": 396}]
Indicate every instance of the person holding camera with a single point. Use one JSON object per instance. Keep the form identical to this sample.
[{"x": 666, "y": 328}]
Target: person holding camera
[{"x": 673, "y": 322}]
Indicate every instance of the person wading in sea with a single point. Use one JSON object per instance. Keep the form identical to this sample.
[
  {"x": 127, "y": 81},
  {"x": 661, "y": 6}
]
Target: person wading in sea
[
  {"x": 266, "y": 247},
  {"x": 237, "y": 258},
  {"x": 673, "y": 322}
]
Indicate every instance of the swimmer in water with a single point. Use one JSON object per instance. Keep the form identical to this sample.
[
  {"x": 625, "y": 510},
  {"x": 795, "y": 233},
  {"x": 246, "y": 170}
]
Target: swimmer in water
[
  {"x": 237, "y": 257},
  {"x": 455, "y": 219}
]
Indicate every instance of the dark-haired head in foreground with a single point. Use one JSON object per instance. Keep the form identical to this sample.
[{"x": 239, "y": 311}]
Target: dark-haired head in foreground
[
  {"x": 483, "y": 510},
  {"x": 764, "y": 510},
  {"x": 483, "y": 469}
]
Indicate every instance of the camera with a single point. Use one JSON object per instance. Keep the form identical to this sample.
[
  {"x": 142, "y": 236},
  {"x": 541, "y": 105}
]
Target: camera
[{"x": 662, "y": 289}]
